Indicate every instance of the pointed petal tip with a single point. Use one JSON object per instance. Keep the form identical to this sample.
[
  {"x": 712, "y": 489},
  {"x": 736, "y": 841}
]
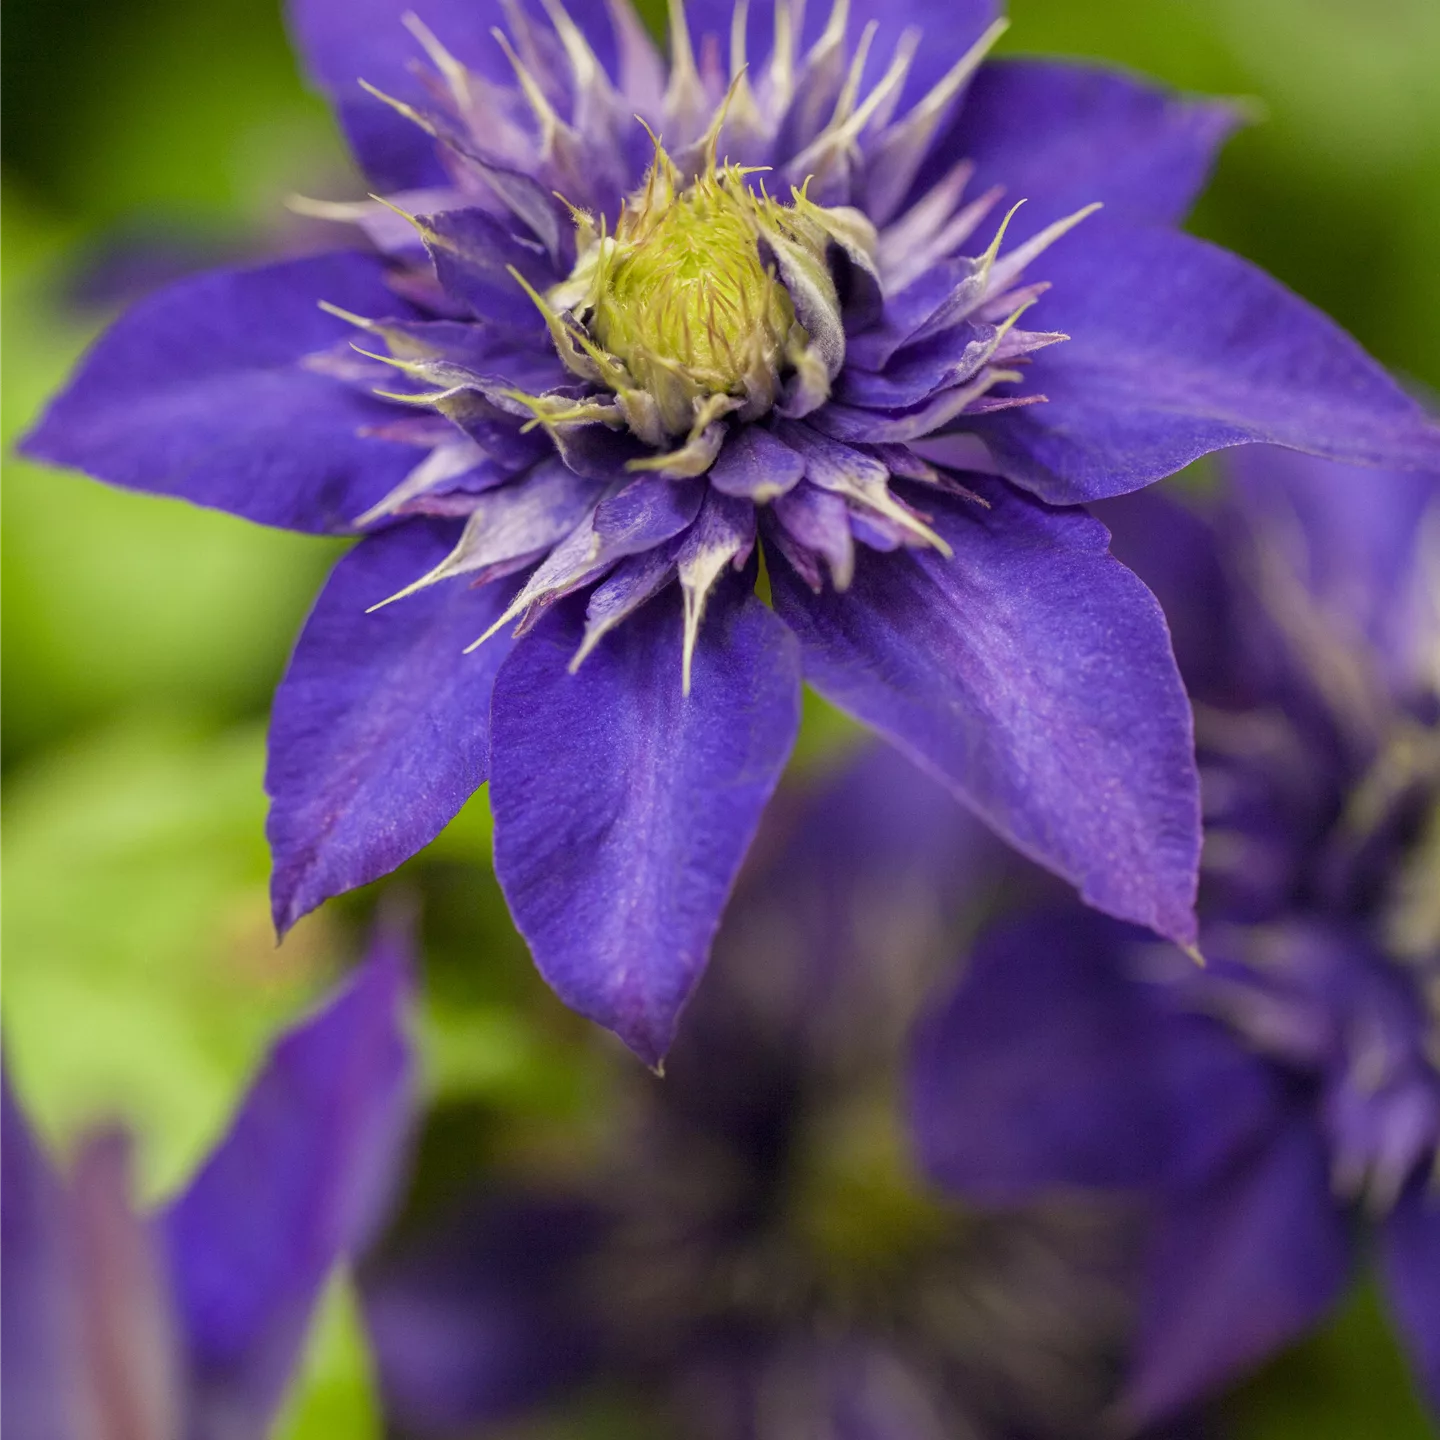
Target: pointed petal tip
[
  {"x": 1170, "y": 916},
  {"x": 649, "y": 1039},
  {"x": 286, "y": 907}
]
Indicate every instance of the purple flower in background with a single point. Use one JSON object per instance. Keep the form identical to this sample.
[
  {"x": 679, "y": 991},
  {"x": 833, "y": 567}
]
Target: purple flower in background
[
  {"x": 1290, "y": 1088},
  {"x": 785, "y": 323},
  {"x": 743, "y": 1251},
  {"x": 190, "y": 1323}
]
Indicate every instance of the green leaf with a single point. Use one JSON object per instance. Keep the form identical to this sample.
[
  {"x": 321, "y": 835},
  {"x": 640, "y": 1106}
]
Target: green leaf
[
  {"x": 142, "y": 980},
  {"x": 1348, "y": 1381},
  {"x": 334, "y": 1395}
]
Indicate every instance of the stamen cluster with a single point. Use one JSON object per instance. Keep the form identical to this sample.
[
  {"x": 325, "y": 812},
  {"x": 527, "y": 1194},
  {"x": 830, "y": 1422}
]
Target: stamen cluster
[{"x": 694, "y": 308}]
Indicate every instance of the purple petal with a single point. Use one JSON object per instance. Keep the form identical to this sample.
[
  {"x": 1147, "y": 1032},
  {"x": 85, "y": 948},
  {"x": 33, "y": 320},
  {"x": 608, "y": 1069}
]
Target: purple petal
[
  {"x": 1032, "y": 673},
  {"x": 380, "y": 728},
  {"x": 756, "y": 466},
  {"x": 1177, "y": 553},
  {"x": 1061, "y": 135},
  {"x": 198, "y": 391},
  {"x": 1238, "y": 1269},
  {"x": 39, "y": 1318},
  {"x": 510, "y": 526},
  {"x": 344, "y": 41},
  {"x": 1410, "y": 1254},
  {"x": 1178, "y": 349},
  {"x": 623, "y": 807},
  {"x": 295, "y": 1186},
  {"x": 819, "y": 521},
  {"x": 646, "y": 513},
  {"x": 87, "y": 1333},
  {"x": 472, "y": 252},
  {"x": 1052, "y": 1067},
  {"x": 950, "y": 358}
]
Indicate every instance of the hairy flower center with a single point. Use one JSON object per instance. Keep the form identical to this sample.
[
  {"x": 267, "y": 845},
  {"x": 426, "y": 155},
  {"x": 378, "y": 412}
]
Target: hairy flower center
[
  {"x": 693, "y": 295},
  {"x": 710, "y": 298}
]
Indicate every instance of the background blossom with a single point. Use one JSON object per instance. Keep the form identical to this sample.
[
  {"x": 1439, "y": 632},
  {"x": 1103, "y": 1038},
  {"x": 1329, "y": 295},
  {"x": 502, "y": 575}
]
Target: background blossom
[{"x": 1290, "y": 1088}]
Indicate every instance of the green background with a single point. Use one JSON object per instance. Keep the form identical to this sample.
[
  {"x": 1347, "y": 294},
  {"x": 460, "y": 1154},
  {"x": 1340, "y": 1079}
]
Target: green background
[{"x": 142, "y": 639}]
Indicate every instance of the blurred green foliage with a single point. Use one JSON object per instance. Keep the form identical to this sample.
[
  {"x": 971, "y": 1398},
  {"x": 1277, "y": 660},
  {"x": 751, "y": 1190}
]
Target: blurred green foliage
[
  {"x": 142, "y": 979},
  {"x": 142, "y": 638}
]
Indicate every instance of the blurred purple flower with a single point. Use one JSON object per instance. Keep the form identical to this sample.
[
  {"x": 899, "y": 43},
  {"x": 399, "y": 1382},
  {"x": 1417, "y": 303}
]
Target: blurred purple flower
[
  {"x": 188, "y": 1325},
  {"x": 747, "y": 1253},
  {"x": 1292, "y": 1086},
  {"x": 689, "y": 396}
]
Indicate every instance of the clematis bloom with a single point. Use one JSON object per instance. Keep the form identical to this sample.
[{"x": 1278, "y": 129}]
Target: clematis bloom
[
  {"x": 191, "y": 1322},
  {"x": 593, "y": 368},
  {"x": 1288, "y": 1093}
]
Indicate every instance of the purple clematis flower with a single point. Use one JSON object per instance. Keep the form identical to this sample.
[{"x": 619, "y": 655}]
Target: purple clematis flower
[
  {"x": 744, "y": 1252},
  {"x": 188, "y": 1325},
  {"x": 568, "y": 429},
  {"x": 1291, "y": 1088}
]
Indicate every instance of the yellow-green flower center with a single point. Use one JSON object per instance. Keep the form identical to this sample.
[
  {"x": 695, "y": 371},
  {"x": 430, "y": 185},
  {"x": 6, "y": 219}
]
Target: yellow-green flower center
[
  {"x": 708, "y": 299},
  {"x": 692, "y": 293}
]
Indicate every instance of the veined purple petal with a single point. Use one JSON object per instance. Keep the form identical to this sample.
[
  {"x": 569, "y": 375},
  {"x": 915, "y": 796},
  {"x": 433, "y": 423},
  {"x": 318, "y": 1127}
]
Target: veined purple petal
[
  {"x": 381, "y": 727},
  {"x": 1237, "y": 1270},
  {"x": 1052, "y": 1067},
  {"x": 1032, "y": 673},
  {"x": 1060, "y": 135},
  {"x": 628, "y": 586},
  {"x": 344, "y": 41},
  {"x": 1179, "y": 349},
  {"x": 297, "y": 1185},
  {"x": 200, "y": 392},
  {"x": 623, "y": 807},
  {"x": 940, "y": 295},
  {"x": 512, "y": 525},
  {"x": 40, "y": 1377},
  {"x": 1410, "y": 1254}
]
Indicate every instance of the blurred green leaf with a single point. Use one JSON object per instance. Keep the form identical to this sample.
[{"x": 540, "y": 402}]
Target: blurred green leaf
[
  {"x": 164, "y": 106},
  {"x": 1336, "y": 188},
  {"x": 142, "y": 980},
  {"x": 1347, "y": 1382},
  {"x": 334, "y": 1396},
  {"x": 828, "y": 736},
  {"x": 111, "y": 598}
]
